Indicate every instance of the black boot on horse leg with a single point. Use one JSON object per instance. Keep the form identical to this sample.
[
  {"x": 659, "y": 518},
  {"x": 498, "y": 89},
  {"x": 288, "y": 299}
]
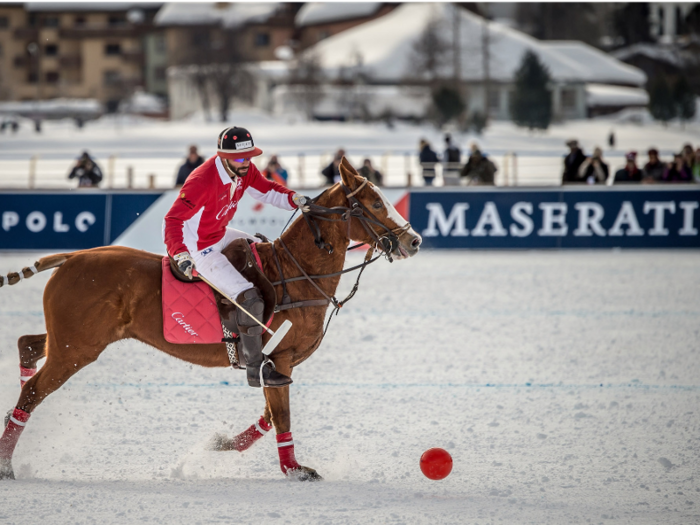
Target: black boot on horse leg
[{"x": 250, "y": 333}]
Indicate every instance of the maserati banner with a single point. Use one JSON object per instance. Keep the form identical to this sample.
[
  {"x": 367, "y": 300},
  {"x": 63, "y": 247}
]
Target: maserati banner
[{"x": 558, "y": 218}]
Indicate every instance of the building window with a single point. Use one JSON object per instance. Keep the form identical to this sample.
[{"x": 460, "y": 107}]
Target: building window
[
  {"x": 494, "y": 99},
  {"x": 32, "y": 77},
  {"x": 568, "y": 99},
  {"x": 113, "y": 49},
  {"x": 116, "y": 20},
  {"x": 51, "y": 21},
  {"x": 111, "y": 77},
  {"x": 51, "y": 50},
  {"x": 159, "y": 73},
  {"x": 262, "y": 39},
  {"x": 4, "y": 22},
  {"x": 661, "y": 20},
  {"x": 79, "y": 21},
  {"x": 159, "y": 44},
  {"x": 51, "y": 77}
]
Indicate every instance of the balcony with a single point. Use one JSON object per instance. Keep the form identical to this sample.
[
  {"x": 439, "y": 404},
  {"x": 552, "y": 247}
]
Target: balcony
[
  {"x": 99, "y": 32},
  {"x": 70, "y": 61},
  {"x": 26, "y": 33},
  {"x": 21, "y": 61},
  {"x": 133, "y": 57}
]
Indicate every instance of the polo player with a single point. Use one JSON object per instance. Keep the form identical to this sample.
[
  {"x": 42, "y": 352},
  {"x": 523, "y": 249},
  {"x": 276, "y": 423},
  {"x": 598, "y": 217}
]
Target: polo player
[{"x": 195, "y": 232}]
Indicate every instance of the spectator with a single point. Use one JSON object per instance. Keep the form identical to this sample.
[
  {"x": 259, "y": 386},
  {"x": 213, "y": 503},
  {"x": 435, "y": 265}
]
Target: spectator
[
  {"x": 572, "y": 163},
  {"x": 611, "y": 139},
  {"x": 696, "y": 166},
  {"x": 653, "y": 170},
  {"x": 479, "y": 169},
  {"x": 688, "y": 156},
  {"x": 630, "y": 173},
  {"x": 332, "y": 172},
  {"x": 677, "y": 171},
  {"x": 192, "y": 162},
  {"x": 369, "y": 173},
  {"x": 451, "y": 162},
  {"x": 428, "y": 159},
  {"x": 88, "y": 172},
  {"x": 275, "y": 172},
  {"x": 593, "y": 169}
]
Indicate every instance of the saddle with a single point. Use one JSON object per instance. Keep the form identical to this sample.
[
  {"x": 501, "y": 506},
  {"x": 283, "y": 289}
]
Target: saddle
[{"x": 244, "y": 257}]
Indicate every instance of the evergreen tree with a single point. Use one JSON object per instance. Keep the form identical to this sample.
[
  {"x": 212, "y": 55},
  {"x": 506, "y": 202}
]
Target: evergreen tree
[
  {"x": 684, "y": 99},
  {"x": 448, "y": 103},
  {"x": 661, "y": 103},
  {"x": 531, "y": 104}
]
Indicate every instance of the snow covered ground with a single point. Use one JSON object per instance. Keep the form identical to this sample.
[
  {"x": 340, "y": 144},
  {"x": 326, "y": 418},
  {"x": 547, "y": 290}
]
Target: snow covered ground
[
  {"x": 566, "y": 386},
  {"x": 157, "y": 147}
]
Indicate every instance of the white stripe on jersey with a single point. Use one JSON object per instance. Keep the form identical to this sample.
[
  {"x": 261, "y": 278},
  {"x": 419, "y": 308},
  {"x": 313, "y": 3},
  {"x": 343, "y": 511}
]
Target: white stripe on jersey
[{"x": 190, "y": 229}]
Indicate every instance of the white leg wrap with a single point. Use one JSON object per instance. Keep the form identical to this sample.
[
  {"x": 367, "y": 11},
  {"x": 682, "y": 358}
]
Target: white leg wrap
[
  {"x": 17, "y": 422},
  {"x": 260, "y": 429}
]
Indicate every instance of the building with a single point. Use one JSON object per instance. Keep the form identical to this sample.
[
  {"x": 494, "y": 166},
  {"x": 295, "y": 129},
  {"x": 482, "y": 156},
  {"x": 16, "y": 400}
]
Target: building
[
  {"x": 479, "y": 56},
  {"x": 318, "y": 21},
  {"x": 77, "y": 50}
]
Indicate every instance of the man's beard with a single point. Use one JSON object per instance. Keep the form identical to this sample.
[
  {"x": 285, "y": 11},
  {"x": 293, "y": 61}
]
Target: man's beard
[{"x": 239, "y": 172}]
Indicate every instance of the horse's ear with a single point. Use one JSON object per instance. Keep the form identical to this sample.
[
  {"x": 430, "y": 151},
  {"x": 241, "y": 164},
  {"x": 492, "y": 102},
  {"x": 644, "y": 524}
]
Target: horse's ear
[{"x": 348, "y": 174}]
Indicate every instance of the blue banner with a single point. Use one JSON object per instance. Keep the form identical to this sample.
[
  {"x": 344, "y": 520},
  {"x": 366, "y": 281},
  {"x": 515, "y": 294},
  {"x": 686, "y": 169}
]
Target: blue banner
[
  {"x": 558, "y": 218},
  {"x": 67, "y": 221}
]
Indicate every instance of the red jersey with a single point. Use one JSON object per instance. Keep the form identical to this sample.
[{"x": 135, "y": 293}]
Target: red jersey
[{"x": 208, "y": 201}]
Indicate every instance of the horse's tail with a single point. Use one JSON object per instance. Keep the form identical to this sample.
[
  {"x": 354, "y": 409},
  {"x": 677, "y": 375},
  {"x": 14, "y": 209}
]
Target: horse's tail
[{"x": 45, "y": 263}]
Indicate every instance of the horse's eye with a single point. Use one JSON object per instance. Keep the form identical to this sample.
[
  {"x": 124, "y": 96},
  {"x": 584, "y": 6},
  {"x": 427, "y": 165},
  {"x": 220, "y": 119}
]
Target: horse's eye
[{"x": 377, "y": 205}]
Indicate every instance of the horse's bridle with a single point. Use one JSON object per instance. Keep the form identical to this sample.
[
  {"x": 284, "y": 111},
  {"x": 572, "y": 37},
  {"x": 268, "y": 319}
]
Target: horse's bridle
[{"x": 387, "y": 241}]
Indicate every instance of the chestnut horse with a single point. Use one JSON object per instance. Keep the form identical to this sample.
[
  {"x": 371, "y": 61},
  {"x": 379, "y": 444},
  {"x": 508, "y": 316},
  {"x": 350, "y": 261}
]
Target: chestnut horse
[{"x": 98, "y": 296}]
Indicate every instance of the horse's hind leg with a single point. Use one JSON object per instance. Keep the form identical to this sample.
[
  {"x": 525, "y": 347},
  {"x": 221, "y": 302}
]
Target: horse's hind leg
[
  {"x": 58, "y": 369},
  {"x": 31, "y": 349}
]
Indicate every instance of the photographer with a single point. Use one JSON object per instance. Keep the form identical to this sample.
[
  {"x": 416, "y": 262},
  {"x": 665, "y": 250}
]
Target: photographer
[{"x": 88, "y": 172}]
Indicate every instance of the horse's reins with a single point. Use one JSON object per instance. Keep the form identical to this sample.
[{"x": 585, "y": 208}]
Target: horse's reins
[{"x": 387, "y": 242}]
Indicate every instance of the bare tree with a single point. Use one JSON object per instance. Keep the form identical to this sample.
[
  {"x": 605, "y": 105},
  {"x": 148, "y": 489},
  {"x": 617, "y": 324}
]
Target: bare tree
[
  {"x": 305, "y": 79},
  {"x": 431, "y": 53},
  {"x": 217, "y": 63}
]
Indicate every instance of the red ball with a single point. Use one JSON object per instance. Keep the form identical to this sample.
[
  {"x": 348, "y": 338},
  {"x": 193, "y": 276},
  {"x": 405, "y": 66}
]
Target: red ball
[{"x": 436, "y": 463}]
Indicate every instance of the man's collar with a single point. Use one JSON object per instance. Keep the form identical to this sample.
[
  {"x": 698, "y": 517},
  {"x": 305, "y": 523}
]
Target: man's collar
[{"x": 223, "y": 172}]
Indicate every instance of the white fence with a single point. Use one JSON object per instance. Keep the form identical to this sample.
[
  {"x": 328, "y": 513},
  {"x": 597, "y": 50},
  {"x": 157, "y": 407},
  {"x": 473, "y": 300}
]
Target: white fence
[{"x": 399, "y": 170}]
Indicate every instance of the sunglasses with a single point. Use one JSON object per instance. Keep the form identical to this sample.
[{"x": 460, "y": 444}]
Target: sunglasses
[{"x": 240, "y": 161}]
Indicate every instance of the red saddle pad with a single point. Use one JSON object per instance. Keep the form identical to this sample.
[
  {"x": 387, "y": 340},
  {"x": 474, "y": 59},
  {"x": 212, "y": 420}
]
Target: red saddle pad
[{"x": 190, "y": 315}]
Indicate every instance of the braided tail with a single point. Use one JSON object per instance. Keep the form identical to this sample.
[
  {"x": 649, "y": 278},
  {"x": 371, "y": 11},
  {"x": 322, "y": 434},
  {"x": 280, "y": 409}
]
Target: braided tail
[{"x": 45, "y": 263}]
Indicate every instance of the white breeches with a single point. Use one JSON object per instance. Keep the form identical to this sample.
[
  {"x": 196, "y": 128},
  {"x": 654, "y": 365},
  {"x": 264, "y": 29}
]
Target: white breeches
[{"x": 216, "y": 268}]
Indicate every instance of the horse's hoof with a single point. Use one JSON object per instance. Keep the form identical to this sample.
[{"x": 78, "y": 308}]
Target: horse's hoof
[
  {"x": 219, "y": 442},
  {"x": 6, "y": 469},
  {"x": 304, "y": 474}
]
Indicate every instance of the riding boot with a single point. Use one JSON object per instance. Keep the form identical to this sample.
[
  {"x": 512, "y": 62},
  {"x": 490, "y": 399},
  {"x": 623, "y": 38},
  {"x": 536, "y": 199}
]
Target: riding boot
[{"x": 250, "y": 334}]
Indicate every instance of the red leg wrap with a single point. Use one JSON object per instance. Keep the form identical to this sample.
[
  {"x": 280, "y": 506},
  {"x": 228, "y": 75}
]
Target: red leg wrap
[
  {"x": 10, "y": 436},
  {"x": 25, "y": 374},
  {"x": 285, "y": 449},
  {"x": 245, "y": 439}
]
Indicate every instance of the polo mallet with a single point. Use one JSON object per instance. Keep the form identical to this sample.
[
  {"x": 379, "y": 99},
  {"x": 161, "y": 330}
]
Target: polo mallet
[{"x": 276, "y": 336}]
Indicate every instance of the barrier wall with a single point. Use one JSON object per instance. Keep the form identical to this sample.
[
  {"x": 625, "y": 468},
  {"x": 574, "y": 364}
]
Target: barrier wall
[
  {"x": 626, "y": 217},
  {"x": 68, "y": 220}
]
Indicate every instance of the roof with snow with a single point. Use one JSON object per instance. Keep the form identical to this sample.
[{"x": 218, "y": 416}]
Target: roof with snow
[
  {"x": 383, "y": 49},
  {"x": 69, "y": 7},
  {"x": 226, "y": 14},
  {"x": 669, "y": 54},
  {"x": 616, "y": 96},
  {"x": 316, "y": 13}
]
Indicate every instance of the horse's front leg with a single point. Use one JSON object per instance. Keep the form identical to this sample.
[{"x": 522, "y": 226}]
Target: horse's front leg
[{"x": 277, "y": 410}]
